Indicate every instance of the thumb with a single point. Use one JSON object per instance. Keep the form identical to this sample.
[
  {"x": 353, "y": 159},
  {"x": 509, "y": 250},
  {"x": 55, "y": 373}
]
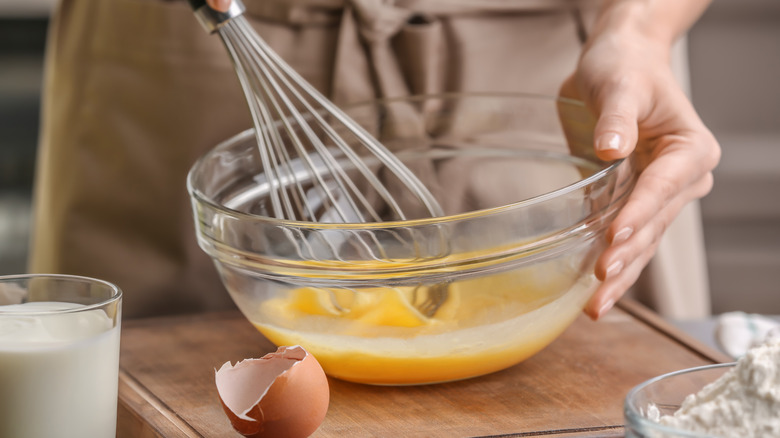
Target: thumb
[{"x": 616, "y": 131}]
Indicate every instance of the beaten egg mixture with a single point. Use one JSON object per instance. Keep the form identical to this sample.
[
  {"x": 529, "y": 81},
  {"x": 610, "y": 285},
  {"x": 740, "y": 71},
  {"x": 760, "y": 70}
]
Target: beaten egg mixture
[{"x": 376, "y": 335}]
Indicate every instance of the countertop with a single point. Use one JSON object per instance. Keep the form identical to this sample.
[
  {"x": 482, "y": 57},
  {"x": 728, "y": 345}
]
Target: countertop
[{"x": 574, "y": 387}]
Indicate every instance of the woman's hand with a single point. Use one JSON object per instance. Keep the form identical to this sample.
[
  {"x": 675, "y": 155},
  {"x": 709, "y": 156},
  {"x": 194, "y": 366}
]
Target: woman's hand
[
  {"x": 219, "y": 5},
  {"x": 624, "y": 77}
]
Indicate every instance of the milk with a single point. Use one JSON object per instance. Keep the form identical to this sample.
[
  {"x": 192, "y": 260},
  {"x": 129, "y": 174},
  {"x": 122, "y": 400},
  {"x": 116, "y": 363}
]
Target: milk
[{"x": 58, "y": 372}]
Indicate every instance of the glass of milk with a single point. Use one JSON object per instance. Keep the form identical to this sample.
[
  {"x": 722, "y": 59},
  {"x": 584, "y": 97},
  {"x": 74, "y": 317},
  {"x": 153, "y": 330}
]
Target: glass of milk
[{"x": 59, "y": 356}]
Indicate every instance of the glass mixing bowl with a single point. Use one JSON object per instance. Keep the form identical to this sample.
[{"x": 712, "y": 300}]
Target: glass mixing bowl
[
  {"x": 663, "y": 395},
  {"x": 424, "y": 300}
]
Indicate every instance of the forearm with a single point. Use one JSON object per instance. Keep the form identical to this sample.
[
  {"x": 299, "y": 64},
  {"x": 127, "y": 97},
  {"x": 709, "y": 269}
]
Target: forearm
[{"x": 659, "y": 22}]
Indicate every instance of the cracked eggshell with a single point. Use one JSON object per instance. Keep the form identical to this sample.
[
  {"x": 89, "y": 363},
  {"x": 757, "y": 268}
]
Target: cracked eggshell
[{"x": 282, "y": 394}]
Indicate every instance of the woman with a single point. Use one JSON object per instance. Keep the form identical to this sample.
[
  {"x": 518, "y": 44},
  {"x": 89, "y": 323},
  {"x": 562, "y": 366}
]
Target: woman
[{"x": 136, "y": 91}]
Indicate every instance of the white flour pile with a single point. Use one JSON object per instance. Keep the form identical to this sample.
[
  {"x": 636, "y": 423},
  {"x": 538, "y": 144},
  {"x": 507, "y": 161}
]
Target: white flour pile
[{"x": 744, "y": 402}]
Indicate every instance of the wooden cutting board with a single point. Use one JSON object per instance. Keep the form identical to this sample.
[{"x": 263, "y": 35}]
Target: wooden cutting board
[{"x": 575, "y": 387}]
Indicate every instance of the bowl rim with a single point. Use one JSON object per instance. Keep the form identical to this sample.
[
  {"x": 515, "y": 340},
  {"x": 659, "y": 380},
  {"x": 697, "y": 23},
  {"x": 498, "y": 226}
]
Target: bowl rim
[
  {"x": 631, "y": 414},
  {"x": 199, "y": 196},
  {"x": 117, "y": 295}
]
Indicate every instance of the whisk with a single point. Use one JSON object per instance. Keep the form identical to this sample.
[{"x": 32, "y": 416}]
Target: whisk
[
  {"x": 313, "y": 154},
  {"x": 319, "y": 164}
]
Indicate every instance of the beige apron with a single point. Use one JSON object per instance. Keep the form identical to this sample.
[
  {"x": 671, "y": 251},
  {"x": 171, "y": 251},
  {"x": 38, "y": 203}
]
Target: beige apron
[{"x": 136, "y": 91}]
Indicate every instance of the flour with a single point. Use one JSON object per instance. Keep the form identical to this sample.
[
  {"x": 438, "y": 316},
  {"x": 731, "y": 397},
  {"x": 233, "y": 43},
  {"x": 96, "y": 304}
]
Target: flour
[{"x": 744, "y": 402}]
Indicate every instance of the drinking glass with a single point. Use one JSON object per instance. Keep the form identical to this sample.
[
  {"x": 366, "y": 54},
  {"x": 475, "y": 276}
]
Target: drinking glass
[{"x": 59, "y": 356}]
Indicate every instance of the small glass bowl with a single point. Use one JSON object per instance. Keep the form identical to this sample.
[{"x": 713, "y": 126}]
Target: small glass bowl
[{"x": 663, "y": 395}]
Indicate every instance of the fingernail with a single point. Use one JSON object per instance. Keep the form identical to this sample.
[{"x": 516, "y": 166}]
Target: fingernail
[
  {"x": 622, "y": 235},
  {"x": 605, "y": 308},
  {"x": 608, "y": 142},
  {"x": 614, "y": 269}
]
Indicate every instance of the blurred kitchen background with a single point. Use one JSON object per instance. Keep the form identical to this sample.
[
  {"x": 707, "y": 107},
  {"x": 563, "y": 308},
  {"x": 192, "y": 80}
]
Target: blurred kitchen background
[{"x": 735, "y": 70}]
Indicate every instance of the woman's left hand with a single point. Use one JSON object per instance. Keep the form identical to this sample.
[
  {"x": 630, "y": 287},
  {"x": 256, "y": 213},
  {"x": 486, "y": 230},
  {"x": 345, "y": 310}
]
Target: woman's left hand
[{"x": 627, "y": 82}]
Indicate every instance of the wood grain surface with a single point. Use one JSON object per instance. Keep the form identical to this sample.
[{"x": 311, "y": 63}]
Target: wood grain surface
[{"x": 575, "y": 387}]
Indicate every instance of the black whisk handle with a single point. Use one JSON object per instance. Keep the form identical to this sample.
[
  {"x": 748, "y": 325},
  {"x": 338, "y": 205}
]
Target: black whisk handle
[{"x": 195, "y": 4}]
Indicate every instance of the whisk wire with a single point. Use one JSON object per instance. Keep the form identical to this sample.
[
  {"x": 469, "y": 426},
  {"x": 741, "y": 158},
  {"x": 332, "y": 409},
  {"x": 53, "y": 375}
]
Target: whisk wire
[
  {"x": 317, "y": 163},
  {"x": 263, "y": 81},
  {"x": 275, "y": 92},
  {"x": 258, "y": 119},
  {"x": 334, "y": 169},
  {"x": 290, "y": 79},
  {"x": 271, "y": 139}
]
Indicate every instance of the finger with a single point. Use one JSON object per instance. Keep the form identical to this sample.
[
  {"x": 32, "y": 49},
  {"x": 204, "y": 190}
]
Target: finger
[
  {"x": 623, "y": 249},
  {"x": 610, "y": 291},
  {"x": 619, "y": 269},
  {"x": 620, "y": 265},
  {"x": 219, "y": 5},
  {"x": 666, "y": 178},
  {"x": 616, "y": 131}
]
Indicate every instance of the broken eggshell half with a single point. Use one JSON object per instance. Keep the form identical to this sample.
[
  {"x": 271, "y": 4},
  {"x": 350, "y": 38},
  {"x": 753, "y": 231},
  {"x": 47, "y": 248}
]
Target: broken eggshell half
[{"x": 282, "y": 394}]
